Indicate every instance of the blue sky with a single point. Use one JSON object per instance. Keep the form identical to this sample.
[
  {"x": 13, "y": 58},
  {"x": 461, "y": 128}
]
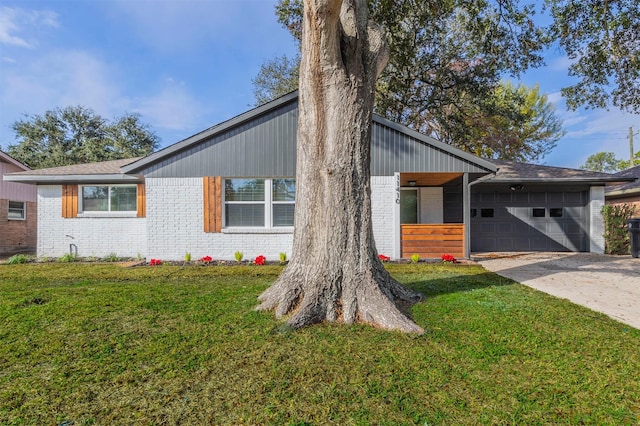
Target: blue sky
[{"x": 186, "y": 65}]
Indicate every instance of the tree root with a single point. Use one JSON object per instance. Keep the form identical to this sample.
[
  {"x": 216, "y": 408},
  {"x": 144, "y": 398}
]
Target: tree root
[{"x": 375, "y": 299}]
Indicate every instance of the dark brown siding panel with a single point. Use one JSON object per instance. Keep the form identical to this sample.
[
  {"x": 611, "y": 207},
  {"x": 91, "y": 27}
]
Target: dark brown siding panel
[
  {"x": 212, "y": 188},
  {"x": 69, "y": 201},
  {"x": 142, "y": 200}
]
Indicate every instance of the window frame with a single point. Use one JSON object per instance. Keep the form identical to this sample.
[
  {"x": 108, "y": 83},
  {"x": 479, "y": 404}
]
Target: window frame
[
  {"x": 23, "y": 210},
  {"x": 85, "y": 213},
  {"x": 268, "y": 203}
]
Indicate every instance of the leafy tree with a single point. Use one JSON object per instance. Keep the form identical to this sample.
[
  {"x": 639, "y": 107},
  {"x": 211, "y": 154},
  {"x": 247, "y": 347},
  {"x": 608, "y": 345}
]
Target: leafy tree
[
  {"x": 627, "y": 164},
  {"x": 443, "y": 78},
  {"x": 608, "y": 163},
  {"x": 602, "y": 162},
  {"x": 513, "y": 123},
  {"x": 601, "y": 39},
  {"x": 335, "y": 273},
  {"x": 78, "y": 135},
  {"x": 276, "y": 77}
]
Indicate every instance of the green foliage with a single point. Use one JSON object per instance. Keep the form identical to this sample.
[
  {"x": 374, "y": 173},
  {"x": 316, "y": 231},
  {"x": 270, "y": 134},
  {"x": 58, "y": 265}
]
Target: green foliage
[
  {"x": 608, "y": 163},
  {"x": 515, "y": 123},
  {"x": 187, "y": 257},
  {"x": 602, "y": 162},
  {"x": 18, "y": 258},
  {"x": 627, "y": 164},
  {"x": 111, "y": 257},
  {"x": 444, "y": 80},
  {"x": 68, "y": 258},
  {"x": 616, "y": 231},
  {"x": 601, "y": 40},
  {"x": 103, "y": 344},
  {"x": 276, "y": 77},
  {"x": 239, "y": 256},
  {"x": 415, "y": 258},
  {"x": 283, "y": 258},
  {"x": 76, "y": 135}
]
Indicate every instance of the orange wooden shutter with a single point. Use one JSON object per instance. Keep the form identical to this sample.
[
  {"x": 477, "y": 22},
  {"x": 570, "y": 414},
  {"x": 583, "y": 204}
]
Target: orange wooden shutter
[
  {"x": 69, "y": 201},
  {"x": 212, "y": 187},
  {"x": 142, "y": 201}
]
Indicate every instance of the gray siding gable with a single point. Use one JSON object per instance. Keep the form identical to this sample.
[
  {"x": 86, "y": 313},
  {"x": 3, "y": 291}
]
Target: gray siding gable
[{"x": 262, "y": 143}]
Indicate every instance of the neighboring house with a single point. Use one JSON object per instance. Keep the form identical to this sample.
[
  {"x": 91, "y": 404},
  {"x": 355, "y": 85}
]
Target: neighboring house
[
  {"x": 626, "y": 193},
  {"x": 232, "y": 188},
  {"x": 18, "y": 211}
]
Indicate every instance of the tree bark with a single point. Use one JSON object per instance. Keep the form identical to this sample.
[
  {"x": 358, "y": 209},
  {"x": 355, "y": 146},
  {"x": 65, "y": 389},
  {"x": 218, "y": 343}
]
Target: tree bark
[{"x": 334, "y": 273}]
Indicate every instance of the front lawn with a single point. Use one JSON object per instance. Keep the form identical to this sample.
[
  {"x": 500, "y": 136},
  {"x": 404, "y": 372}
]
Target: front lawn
[{"x": 100, "y": 344}]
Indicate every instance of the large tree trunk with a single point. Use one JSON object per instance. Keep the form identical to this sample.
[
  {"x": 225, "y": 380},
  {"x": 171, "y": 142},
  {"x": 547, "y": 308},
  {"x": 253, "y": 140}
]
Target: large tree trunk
[{"x": 335, "y": 273}]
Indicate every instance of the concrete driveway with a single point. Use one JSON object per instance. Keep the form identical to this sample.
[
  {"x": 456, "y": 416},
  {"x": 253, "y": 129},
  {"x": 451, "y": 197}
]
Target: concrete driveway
[{"x": 607, "y": 284}]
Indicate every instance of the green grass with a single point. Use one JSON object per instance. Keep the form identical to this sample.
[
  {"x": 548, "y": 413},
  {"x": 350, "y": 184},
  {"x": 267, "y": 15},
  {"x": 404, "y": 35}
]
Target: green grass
[{"x": 101, "y": 344}]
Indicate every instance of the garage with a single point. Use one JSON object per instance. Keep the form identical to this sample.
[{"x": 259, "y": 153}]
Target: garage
[
  {"x": 522, "y": 219},
  {"x": 531, "y": 207}
]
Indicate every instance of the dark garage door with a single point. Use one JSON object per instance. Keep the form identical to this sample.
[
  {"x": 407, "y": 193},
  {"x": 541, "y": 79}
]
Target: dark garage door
[{"x": 529, "y": 221}]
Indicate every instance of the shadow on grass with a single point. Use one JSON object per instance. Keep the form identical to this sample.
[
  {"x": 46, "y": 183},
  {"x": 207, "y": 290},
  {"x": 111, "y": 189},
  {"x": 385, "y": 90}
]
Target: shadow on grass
[{"x": 439, "y": 285}]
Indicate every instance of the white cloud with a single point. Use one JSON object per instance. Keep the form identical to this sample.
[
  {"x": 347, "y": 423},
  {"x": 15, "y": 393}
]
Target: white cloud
[
  {"x": 173, "y": 107},
  {"x": 15, "y": 22},
  {"x": 169, "y": 25},
  {"x": 60, "y": 78}
]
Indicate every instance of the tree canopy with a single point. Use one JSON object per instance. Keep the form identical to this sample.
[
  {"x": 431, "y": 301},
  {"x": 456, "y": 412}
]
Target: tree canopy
[
  {"x": 607, "y": 162},
  {"x": 75, "y": 134},
  {"x": 444, "y": 77},
  {"x": 602, "y": 41},
  {"x": 447, "y": 59}
]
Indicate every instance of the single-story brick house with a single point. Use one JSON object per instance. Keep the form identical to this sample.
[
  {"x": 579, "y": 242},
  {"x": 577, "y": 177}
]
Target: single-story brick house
[
  {"x": 232, "y": 188},
  {"x": 627, "y": 192},
  {"x": 18, "y": 211}
]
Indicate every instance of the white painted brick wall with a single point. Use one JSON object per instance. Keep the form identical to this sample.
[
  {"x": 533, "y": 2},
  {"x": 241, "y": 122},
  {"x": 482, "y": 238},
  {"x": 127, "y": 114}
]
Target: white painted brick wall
[
  {"x": 175, "y": 225},
  {"x": 126, "y": 237},
  {"x": 596, "y": 231},
  {"x": 382, "y": 212}
]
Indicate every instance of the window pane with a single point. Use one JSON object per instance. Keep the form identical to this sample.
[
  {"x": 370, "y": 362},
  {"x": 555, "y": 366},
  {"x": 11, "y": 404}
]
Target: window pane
[
  {"x": 409, "y": 206},
  {"x": 284, "y": 190},
  {"x": 123, "y": 198},
  {"x": 244, "y": 214},
  {"x": 244, "y": 189},
  {"x": 16, "y": 210},
  {"x": 538, "y": 212},
  {"x": 283, "y": 214},
  {"x": 486, "y": 212},
  {"x": 556, "y": 212},
  {"x": 94, "y": 198}
]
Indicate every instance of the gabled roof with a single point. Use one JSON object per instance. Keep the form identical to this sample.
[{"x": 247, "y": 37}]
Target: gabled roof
[
  {"x": 208, "y": 133},
  {"x": 628, "y": 188},
  {"x": 509, "y": 171},
  {"x": 202, "y": 137},
  {"x": 104, "y": 171},
  {"x": 6, "y": 158}
]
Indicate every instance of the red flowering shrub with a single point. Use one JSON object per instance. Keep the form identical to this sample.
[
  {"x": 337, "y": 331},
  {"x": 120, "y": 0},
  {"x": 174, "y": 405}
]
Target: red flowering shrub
[
  {"x": 384, "y": 258},
  {"x": 260, "y": 260},
  {"x": 206, "y": 259},
  {"x": 447, "y": 258},
  {"x": 155, "y": 262}
]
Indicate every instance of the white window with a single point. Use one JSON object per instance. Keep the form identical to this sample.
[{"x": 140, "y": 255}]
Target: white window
[
  {"x": 17, "y": 210},
  {"x": 109, "y": 198},
  {"x": 263, "y": 203}
]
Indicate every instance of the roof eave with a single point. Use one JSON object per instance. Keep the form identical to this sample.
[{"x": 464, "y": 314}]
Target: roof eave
[
  {"x": 9, "y": 159},
  {"x": 59, "y": 179},
  {"x": 597, "y": 181},
  {"x": 623, "y": 193}
]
